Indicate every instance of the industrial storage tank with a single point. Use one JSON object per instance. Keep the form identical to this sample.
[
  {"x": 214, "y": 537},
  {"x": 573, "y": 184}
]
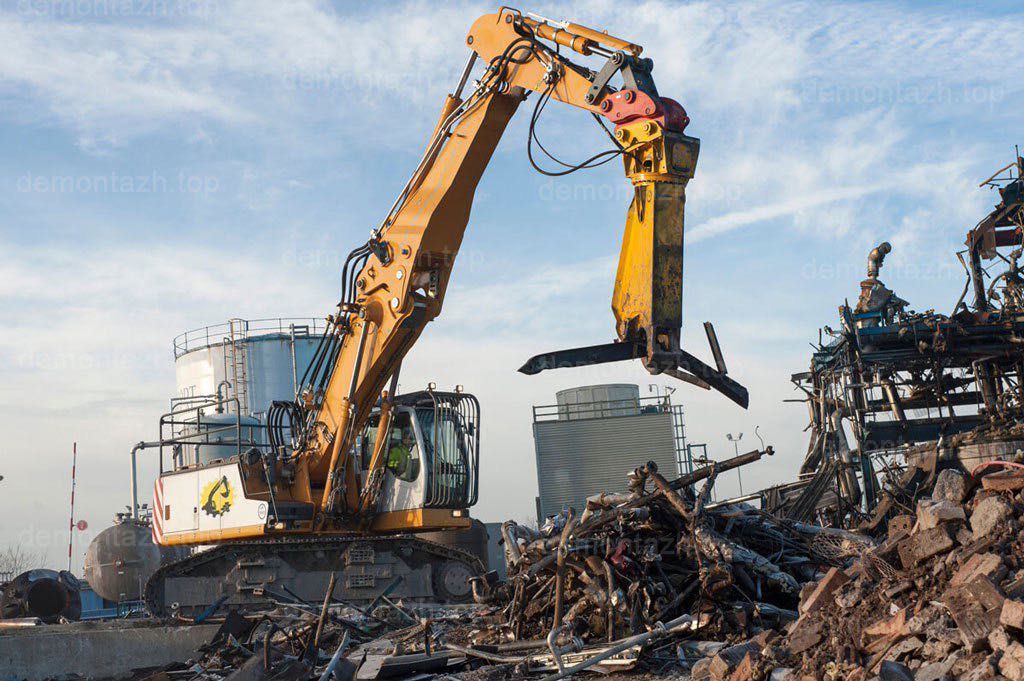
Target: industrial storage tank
[
  {"x": 594, "y": 436},
  {"x": 226, "y": 375},
  {"x": 598, "y": 401},
  {"x": 218, "y": 437},
  {"x": 255, "y": 361},
  {"x": 123, "y": 557}
]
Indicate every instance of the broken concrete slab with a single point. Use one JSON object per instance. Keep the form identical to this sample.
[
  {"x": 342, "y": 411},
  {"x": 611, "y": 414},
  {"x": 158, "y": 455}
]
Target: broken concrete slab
[
  {"x": 746, "y": 669},
  {"x": 919, "y": 547},
  {"x": 823, "y": 591},
  {"x": 932, "y": 513},
  {"x": 905, "y": 647},
  {"x": 990, "y": 514},
  {"x": 980, "y": 564},
  {"x": 950, "y": 484},
  {"x": 1011, "y": 652},
  {"x": 982, "y": 672},
  {"x": 934, "y": 671},
  {"x": 900, "y": 524},
  {"x": 1012, "y": 614},
  {"x": 726, "y": 661},
  {"x": 805, "y": 635},
  {"x": 975, "y": 608},
  {"x": 1004, "y": 481}
]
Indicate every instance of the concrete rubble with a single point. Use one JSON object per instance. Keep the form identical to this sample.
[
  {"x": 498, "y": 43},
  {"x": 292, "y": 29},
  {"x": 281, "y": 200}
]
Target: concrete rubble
[{"x": 938, "y": 597}]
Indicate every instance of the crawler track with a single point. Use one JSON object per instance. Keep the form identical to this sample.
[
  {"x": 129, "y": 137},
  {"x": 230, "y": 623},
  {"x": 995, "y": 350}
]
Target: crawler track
[{"x": 261, "y": 574}]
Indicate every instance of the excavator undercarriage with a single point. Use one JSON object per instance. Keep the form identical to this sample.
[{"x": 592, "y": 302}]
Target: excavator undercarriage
[{"x": 297, "y": 571}]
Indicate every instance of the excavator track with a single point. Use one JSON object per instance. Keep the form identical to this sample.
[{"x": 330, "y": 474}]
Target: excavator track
[{"x": 259, "y": 575}]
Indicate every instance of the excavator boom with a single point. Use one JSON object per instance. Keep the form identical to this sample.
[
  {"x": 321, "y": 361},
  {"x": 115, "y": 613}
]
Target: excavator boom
[{"x": 399, "y": 278}]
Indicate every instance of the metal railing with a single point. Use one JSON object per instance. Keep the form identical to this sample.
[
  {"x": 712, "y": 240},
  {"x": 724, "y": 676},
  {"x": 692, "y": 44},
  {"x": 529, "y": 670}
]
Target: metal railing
[
  {"x": 205, "y": 336},
  {"x": 184, "y": 428},
  {"x": 629, "y": 406}
]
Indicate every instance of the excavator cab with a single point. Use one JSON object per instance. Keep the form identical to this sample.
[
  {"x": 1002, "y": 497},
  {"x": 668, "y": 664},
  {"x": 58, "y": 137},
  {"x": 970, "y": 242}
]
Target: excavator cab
[{"x": 432, "y": 453}]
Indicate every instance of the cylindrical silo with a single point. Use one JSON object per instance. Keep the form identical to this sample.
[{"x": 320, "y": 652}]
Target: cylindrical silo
[
  {"x": 598, "y": 401},
  {"x": 255, "y": 361}
]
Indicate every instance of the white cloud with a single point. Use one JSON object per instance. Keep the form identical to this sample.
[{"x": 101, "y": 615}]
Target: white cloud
[
  {"x": 788, "y": 208},
  {"x": 239, "y": 64},
  {"x": 245, "y": 62}
]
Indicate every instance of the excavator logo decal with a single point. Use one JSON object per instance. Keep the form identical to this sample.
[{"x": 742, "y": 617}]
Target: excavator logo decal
[{"x": 217, "y": 497}]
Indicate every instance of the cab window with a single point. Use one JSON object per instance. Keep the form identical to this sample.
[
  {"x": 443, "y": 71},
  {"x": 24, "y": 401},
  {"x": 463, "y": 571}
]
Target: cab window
[{"x": 403, "y": 456}]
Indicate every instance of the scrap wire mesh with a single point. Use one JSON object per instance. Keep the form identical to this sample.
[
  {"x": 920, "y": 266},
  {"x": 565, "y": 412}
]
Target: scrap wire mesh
[
  {"x": 879, "y": 564},
  {"x": 834, "y": 548}
]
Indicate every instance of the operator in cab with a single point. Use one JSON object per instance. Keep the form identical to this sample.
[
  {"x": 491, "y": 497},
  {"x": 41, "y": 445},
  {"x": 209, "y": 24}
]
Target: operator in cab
[{"x": 401, "y": 452}]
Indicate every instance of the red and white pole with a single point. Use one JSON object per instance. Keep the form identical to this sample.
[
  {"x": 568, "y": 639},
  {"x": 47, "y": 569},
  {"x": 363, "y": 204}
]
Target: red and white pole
[{"x": 71, "y": 527}]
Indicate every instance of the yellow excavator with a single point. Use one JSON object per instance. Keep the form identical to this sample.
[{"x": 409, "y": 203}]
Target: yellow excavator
[{"x": 350, "y": 472}]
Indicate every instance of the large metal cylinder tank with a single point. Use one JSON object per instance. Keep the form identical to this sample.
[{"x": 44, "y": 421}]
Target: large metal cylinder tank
[
  {"x": 255, "y": 361},
  {"x": 594, "y": 436},
  {"x": 122, "y": 558},
  {"x": 598, "y": 401},
  {"x": 218, "y": 437}
]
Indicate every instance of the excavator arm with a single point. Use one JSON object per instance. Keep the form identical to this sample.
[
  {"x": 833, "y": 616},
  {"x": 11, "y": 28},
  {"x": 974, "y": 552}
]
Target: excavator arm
[{"x": 395, "y": 284}]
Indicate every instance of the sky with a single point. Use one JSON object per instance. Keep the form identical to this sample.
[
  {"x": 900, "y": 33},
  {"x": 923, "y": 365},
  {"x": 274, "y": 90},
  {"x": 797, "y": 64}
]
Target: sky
[{"x": 171, "y": 164}]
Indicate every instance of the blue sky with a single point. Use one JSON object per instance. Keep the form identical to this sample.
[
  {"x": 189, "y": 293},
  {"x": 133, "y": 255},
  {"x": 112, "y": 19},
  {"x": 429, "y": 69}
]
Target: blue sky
[{"x": 171, "y": 164}]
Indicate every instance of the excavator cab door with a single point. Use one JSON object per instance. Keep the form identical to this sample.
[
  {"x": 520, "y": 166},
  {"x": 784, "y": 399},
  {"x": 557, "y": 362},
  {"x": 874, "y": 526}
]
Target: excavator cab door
[
  {"x": 404, "y": 484},
  {"x": 432, "y": 454}
]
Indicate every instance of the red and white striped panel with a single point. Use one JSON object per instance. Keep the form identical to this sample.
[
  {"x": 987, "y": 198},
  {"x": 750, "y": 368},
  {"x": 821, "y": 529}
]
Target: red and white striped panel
[{"x": 158, "y": 511}]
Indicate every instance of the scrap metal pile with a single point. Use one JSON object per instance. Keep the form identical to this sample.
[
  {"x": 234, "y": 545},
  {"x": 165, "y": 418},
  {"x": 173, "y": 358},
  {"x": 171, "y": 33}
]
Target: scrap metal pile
[
  {"x": 659, "y": 553},
  {"x": 43, "y": 595},
  {"x": 332, "y": 640},
  {"x": 659, "y": 581},
  {"x": 655, "y": 579}
]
